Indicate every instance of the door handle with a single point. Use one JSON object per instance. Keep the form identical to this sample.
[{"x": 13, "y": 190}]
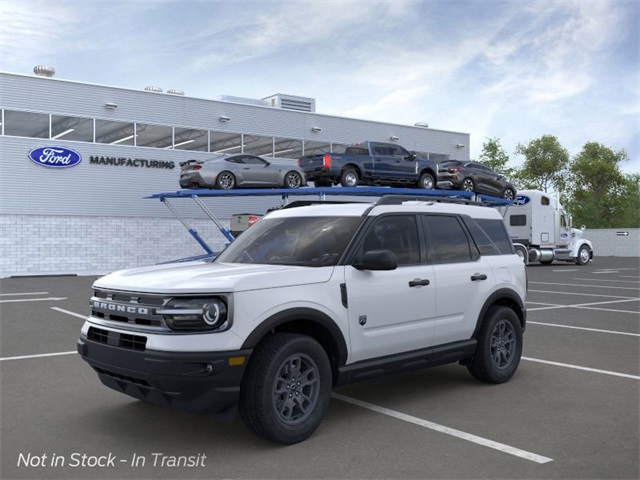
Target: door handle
[
  {"x": 478, "y": 276},
  {"x": 418, "y": 282}
]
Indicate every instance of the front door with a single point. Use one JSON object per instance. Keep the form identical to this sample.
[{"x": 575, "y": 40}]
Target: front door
[{"x": 391, "y": 311}]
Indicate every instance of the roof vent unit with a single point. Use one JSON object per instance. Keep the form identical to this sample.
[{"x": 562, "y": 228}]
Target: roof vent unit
[
  {"x": 44, "y": 71},
  {"x": 153, "y": 88},
  {"x": 175, "y": 91},
  {"x": 291, "y": 102},
  {"x": 243, "y": 100}
]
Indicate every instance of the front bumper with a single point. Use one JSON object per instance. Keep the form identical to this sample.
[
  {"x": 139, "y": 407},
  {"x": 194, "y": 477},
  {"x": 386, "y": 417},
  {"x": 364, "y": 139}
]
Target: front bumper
[{"x": 200, "y": 382}]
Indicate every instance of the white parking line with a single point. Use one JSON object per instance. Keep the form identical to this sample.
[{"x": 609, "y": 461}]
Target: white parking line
[
  {"x": 589, "y": 286},
  {"x": 583, "y": 294},
  {"x": 17, "y": 300},
  {"x": 24, "y": 293},
  {"x": 570, "y": 270},
  {"x": 583, "y": 328},
  {"x": 73, "y": 314},
  {"x": 586, "y": 369},
  {"x": 449, "y": 431},
  {"x": 605, "y": 280},
  {"x": 587, "y": 306},
  {"x": 42, "y": 355}
]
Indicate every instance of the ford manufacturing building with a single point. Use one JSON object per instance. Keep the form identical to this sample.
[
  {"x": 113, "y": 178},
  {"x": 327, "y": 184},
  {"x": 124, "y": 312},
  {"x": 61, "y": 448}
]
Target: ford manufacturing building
[{"x": 93, "y": 217}]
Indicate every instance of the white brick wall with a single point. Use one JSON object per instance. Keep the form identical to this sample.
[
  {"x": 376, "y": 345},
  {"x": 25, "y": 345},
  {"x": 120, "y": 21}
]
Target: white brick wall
[
  {"x": 53, "y": 245},
  {"x": 607, "y": 242}
]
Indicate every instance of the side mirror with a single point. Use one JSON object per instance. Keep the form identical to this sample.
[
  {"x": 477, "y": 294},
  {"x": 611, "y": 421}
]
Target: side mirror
[
  {"x": 411, "y": 156},
  {"x": 583, "y": 228},
  {"x": 378, "y": 260}
]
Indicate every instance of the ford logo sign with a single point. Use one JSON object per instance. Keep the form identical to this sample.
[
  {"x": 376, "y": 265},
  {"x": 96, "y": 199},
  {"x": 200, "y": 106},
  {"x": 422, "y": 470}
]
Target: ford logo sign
[
  {"x": 55, "y": 157},
  {"x": 564, "y": 235},
  {"x": 522, "y": 200}
]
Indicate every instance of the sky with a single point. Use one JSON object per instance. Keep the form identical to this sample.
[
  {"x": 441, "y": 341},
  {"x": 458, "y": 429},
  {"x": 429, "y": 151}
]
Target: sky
[{"x": 513, "y": 70}]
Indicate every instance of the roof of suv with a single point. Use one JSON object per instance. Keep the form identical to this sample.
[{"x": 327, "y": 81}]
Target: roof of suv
[{"x": 358, "y": 209}]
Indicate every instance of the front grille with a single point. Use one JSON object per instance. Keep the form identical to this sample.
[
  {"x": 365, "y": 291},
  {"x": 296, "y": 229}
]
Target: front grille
[
  {"x": 129, "y": 308},
  {"x": 116, "y": 339}
]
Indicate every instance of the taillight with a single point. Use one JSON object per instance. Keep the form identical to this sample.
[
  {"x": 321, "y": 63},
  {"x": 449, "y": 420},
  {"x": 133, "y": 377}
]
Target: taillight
[
  {"x": 326, "y": 161},
  {"x": 454, "y": 169},
  {"x": 299, "y": 163},
  {"x": 197, "y": 167},
  {"x": 252, "y": 220}
]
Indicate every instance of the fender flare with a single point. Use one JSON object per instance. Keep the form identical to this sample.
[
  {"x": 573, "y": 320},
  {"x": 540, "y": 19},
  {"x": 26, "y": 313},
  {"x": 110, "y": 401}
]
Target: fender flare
[
  {"x": 503, "y": 293},
  {"x": 297, "y": 314}
]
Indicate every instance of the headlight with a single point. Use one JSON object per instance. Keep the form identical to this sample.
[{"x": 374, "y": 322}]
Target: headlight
[{"x": 196, "y": 313}]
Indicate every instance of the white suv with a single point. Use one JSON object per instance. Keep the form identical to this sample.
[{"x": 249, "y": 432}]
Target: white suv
[{"x": 310, "y": 298}]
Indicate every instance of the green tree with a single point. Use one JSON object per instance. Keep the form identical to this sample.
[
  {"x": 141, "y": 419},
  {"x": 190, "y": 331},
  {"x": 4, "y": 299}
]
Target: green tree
[
  {"x": 599, "y": 194},
  {"x": 545, "y": 164},
  {"x": 494, "y": 156}
]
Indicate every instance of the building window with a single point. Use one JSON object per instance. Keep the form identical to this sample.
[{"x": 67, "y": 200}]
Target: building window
[
  {"x": 287, "y": 148},
  {"x": 72, "y": 128},
  {"x": 191, "y": 139},
  {"x": 26, "y": 124},
  {"x": 115, "y": 133},
  {"x": 225, "y": 142},
  {"x": 154, "y": 136},
  {"x": 258, "y": 145}
]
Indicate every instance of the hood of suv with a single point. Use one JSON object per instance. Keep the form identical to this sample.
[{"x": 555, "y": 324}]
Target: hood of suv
[{"x": 194, "y": 278}]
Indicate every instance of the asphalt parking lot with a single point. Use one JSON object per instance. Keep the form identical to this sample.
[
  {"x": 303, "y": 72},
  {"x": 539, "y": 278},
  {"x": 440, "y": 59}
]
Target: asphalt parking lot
[{"x": 571, "y": 411}]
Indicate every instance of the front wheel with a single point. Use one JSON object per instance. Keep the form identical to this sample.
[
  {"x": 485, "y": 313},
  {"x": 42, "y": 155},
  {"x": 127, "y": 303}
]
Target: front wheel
[
  {"x": 468, "y": 185},
  {"x": 286, "y": 389},
  {"x": 583, "y": 255},
  {"x": 499, "y": 347},
  {"x": 426, "y": 182},
  {"x": 292, "y": 180},
  {"x": 226, "y": 180},
  {"x": 349, "y": 178}
]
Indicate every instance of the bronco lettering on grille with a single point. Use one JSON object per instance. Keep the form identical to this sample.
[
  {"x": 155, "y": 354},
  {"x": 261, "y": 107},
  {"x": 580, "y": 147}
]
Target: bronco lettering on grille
[{"x": 113, "y": 307}]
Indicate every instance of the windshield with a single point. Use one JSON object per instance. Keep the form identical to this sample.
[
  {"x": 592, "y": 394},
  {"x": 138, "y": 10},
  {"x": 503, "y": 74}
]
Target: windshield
[{"x": 303, "y": 241}]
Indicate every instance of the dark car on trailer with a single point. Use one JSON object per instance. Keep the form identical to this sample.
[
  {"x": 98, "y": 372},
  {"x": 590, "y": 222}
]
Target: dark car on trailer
[{"x": 475, "y": 177}]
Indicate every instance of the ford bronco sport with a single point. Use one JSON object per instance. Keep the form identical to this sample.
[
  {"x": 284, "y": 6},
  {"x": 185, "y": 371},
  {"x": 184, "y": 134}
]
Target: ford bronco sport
[{"x": 310, "y": 298}]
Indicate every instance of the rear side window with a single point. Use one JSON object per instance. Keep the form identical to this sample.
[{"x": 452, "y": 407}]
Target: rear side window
[
  {"x": 490, "y": 236},
  {"x": 447, "y": 241}
]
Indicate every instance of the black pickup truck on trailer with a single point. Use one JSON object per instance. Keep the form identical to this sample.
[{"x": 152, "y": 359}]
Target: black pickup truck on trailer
[{"x": 371, "y": 163}]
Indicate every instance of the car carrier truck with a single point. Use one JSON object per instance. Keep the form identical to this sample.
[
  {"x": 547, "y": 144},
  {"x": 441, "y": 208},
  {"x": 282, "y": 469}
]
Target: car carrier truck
[{"x": 541, "y": 230}]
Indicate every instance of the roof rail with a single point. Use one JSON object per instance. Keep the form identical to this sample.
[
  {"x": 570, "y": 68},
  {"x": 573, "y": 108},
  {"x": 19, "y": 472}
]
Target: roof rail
[{"x": 399, "y": 199}]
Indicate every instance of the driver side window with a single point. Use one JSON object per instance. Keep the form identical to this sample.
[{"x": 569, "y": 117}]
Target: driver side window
[{"x": 397, "y": 233}]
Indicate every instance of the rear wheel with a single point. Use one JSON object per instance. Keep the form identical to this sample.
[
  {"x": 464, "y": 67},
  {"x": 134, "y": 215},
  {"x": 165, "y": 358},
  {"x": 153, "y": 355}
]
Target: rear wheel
[
  {"x": 508, "y": 194},
  {"x": 286, "y": 389},
  {"x": 499, "y": 346},
  {"x": 468, "y": 185},
  {"x": 426, "y": 182},
  {"x": 349, "y": 178},
  {"x": 226, "y": 180},
  {"x": 292, "y": 180}
]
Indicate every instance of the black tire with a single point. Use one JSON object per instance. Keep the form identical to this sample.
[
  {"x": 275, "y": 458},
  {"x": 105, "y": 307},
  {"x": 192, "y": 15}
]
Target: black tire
[
  {"x": 584, "y": 255},
  {"x": 426, "y": 182},
  {"x": 468, "y": 185},
  {"x": 269, "y": 390},
  {"x": 292, "y": 180},
  {"x": 499, "y": 347},
  {"x": 225, "y": 180},
  {"x": 349, "y": 178},
  {"x": 509, "y": 194}
]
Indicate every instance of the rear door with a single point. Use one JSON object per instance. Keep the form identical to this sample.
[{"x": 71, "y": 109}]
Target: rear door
[{"x": 462, "y": 278}]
